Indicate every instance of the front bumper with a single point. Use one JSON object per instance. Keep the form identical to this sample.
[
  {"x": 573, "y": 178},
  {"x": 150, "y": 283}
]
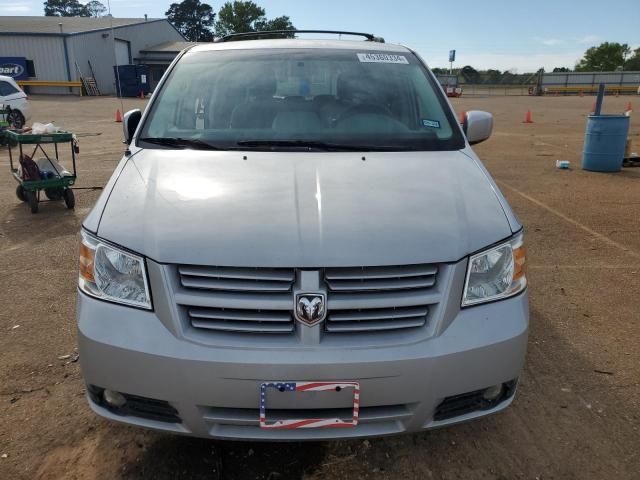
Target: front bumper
[{"x": 215, "y": 390}]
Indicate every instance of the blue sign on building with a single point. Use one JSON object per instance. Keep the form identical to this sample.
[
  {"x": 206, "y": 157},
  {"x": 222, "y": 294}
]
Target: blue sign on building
[{"x": 14, "y": 67}]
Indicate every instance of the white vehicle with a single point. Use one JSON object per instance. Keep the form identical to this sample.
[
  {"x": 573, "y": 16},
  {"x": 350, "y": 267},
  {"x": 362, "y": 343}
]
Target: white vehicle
[{"x": 12, "y": 96}]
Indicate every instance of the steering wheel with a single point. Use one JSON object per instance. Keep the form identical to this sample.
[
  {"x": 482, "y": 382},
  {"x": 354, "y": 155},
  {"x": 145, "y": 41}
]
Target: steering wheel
[{"x": 364, "y": 109}]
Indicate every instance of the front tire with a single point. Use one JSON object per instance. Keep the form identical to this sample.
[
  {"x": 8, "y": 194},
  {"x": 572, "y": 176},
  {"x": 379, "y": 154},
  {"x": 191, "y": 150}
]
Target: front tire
[
  {"x": 32, "y": 199},
  {"x": 16, "y": 119},
  {"x": 69, "y": 199},
  {"x": 20, "y": 193}
]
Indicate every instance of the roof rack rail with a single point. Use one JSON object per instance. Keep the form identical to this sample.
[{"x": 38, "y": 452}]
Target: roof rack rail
[{"x": 241, "y": 36}]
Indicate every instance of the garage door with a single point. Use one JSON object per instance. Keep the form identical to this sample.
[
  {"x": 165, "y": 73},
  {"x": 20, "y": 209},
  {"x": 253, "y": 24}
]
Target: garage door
[{"x": 123, "y": 56}]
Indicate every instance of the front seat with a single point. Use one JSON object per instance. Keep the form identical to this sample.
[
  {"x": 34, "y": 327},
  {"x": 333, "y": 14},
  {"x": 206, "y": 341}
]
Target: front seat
[{"x": 259, "y": 110}]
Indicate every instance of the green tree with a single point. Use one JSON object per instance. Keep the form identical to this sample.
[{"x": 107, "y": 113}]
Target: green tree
[
  {"x": 633, "y": 64},
  {"x": 492, "y": 77},
  {"x": 193, "y": 19},
  {"x": 95, "y": 9},
  {"x": 561, "y": 70},
  {"x": 64, "y": 8},
  {"x": 470, "y": 74},
  {"x": 605, "y": 57},
  {"x": 246, "y": 17}
]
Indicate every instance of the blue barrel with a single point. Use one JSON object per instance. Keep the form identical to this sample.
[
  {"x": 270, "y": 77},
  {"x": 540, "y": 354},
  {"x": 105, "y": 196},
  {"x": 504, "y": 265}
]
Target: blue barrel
[{"x": 604, "y": 143}]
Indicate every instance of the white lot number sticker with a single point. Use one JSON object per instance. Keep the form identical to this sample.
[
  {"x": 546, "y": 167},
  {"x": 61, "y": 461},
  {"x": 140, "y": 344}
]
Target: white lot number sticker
[{"x": 382, "y": 58}]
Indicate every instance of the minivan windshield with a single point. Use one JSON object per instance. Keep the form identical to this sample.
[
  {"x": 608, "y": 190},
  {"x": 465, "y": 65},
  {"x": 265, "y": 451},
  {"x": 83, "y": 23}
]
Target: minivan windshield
[{"x": 279, "y": 99}]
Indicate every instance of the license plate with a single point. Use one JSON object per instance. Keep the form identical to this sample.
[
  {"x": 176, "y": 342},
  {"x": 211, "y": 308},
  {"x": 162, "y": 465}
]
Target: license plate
[{"x": 302, "y": 387}]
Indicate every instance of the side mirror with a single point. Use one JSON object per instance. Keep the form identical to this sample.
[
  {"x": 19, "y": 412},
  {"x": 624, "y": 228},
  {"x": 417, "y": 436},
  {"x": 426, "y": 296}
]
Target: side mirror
[
  {"x": 477, "y": 126},
  {"x": 130, "y": 123}
]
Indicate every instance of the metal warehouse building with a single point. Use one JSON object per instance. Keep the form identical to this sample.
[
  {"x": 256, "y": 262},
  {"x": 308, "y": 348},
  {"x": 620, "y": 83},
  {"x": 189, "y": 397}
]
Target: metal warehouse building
[{"x": 65, "y": 48}]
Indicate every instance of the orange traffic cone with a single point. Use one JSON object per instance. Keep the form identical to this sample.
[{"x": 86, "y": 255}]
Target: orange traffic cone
[
  {"x": 528, "y": 118},
  {"x": 118, "y": 116},
  {"x": 629, "y": 107},
  {"x": 141, "y": 96},
  {"x": 593, "y": 107},
  {"x": 463, "y": 117}
]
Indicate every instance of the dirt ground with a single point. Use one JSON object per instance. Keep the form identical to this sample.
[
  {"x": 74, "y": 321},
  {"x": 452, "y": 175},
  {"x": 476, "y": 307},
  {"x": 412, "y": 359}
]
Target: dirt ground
[{"x": 577, "y": 412}]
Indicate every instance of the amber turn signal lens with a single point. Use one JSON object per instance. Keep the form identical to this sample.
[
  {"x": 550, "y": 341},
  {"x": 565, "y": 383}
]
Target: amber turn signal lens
[
  {"x": 520, "y": 260},
  {"x": 86, "y": 263}
]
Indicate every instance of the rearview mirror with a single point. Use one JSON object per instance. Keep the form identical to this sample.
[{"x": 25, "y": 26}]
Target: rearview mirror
[
  {"x": 130, "y": 124},
  {"x": 477, "y": 126}
]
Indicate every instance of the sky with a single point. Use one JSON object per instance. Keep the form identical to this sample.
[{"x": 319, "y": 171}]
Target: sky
[{"x": 521, "y": 37}]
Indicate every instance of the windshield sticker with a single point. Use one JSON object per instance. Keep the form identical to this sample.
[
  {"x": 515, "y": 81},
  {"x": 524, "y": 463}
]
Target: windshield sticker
[
  {"x": 431, "y": 123},
  {"x": 382, "y": 58}
]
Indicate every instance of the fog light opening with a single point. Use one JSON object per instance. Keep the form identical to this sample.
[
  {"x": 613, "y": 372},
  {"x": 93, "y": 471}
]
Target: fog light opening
[
  {"x": 114, "y": 399},
  {"x": 493, "y": 393}
]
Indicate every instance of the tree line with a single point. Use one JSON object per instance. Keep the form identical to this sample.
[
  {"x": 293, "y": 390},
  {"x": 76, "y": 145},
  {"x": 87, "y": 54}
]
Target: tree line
[
  {"x": 195, "y": 20},
  {"x": 606, "y": 57}
]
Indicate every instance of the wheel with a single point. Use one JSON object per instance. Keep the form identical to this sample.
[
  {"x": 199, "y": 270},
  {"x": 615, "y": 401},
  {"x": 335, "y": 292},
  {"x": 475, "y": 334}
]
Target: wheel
[
  {"x": 69, "y": 198},
  {"x": 16, "y": 119},
  {"x": 20, "y": 193},
  {"x": 32, "y": 199},
  {"x": 54, "y": 193}
]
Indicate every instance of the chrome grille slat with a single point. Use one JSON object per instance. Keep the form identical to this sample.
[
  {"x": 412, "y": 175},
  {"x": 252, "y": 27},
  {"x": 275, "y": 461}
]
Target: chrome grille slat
[
  {"x": 381, "y": 284},
  {"x": 378, "y": 314},
  {"x": 380, "y": 272},
  {"x": 240, "y": 315},
  {"x": 375, "y": 325},
  {"x": 282, "y": 275},
  {"x": 233, "y": 279},
  {"x": 230, "y": 285},
  {"x": 242, "y": 326}
]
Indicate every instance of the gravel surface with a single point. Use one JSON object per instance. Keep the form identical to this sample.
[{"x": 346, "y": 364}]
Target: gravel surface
[{"x": 577, "y": 412}]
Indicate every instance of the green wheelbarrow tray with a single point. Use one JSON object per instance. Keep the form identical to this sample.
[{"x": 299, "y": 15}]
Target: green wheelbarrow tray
[
  {"x": 34, "y": 185},
  {"x": 33, "y": 139}
]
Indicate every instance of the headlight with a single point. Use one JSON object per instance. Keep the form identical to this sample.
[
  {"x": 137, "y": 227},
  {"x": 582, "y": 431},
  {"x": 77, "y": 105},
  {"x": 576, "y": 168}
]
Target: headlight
[
  {"x": 108, "y": 273},
  {"x": 496, "y": 273}
]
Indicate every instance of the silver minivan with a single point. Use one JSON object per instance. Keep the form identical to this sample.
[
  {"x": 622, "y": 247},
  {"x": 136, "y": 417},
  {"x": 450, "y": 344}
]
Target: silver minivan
[{"x": 299, "y": 243}]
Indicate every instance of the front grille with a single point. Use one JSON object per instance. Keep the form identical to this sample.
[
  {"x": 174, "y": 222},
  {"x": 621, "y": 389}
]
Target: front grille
[
  {"x": 241, "y": 300},
  {"x": 251, "y": 416},
  {"x": 245, "y": 300},
  {"x": 225, "y": 279},
  {"x": 239, "y": 320},
  {"x": 370, "y": 299}
]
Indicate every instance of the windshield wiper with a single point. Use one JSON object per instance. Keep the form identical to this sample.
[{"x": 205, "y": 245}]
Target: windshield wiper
[
  {"x": 181, "y": 143},
  {"x": 314, "y": 145}
]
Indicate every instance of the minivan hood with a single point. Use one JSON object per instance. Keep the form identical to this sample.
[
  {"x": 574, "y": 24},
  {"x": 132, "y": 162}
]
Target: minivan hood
[{"x": 302, "y": 209}]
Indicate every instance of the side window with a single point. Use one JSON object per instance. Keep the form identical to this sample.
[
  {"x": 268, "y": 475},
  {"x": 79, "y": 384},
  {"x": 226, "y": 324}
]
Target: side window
[
  {"x": 4, "y": 89},
  {"x": 7, "y": 89}
]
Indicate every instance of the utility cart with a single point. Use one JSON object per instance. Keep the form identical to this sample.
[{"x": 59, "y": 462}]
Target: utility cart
[
  {"x": 49, "y": 177},
  {"x": 4, "y": 123}
]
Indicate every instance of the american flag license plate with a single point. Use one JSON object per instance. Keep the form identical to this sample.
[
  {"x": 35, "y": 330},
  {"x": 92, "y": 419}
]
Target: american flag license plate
[{"x": 287, "y": 424}]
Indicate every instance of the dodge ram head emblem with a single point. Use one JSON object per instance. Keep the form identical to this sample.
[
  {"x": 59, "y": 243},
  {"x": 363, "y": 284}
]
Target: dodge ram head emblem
[{"x": 310, "y": 308}]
